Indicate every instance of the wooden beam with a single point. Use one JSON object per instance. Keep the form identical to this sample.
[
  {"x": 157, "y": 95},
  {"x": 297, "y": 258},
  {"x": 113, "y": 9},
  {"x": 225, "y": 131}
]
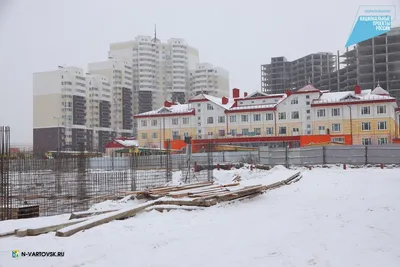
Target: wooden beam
[{"x": 78, "y": 215}]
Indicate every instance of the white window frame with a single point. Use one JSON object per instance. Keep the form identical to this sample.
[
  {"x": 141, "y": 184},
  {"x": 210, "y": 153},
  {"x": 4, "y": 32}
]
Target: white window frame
[
  {"x": 382, "y": 140},
  {"x": 333, "y": 128},
  {"x": 269, "y": 116},
  {"x": 384, "y": 124},
  {"x": 335, "y": 112},
  {"x": 269, "y": 131},
  {"x": 221, "y": 119},
  {"x": 281, "y": 128},
  {"x": 321, "y": 113},
  {"x": 258, "y": 116},
  {"x": 294, "y": 113},
  {"x": 210, "y": 120},
  {"x": 366, "y": 110},
  {"x": 143, "y": 123},
  {"x": 175, "y": 121},
  {"x": 294, "y": 101},
  {"x": 366, "y": 126},
  {"x": 366, "y": 141},
  {"x": 144, "y": 136},
  {"x": 282, "y": 115},
  {"x": 244, "y": 116},
  {"x": 381, "y": 109},
  {"x": 232, "y": 118},
  {"x": 210, "y": 107},
  {"x": 185, "y": 121}
]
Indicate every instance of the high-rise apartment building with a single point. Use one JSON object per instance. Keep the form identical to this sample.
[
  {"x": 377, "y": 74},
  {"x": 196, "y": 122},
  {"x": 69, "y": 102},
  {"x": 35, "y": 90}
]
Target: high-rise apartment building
[
  {"x": 280, "y": 74},
  {"x": 120, "y": 75},
  {"x": 210, "y": 80},
  {"x": 59, "y": 109},
  {"x": 98, "y": 112},
  {"x": 160, "y": 70}
]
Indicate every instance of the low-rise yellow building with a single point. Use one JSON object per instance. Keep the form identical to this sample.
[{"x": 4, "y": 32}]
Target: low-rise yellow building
[{"x": 302, "y": 117}]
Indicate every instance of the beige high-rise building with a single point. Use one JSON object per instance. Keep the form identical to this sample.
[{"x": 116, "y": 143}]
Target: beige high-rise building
[
  {"x": 119, "y": 75},
  {"x": 209, "y": 80},
  {"x": 160, "y": 70}
]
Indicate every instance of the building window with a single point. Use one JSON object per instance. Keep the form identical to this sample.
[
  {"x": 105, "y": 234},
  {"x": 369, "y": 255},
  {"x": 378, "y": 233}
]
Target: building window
[
  {"x": 185, "y": 120},
  {"x": 245, "y": 131},
  {"x": 335, "y": 112},
  {"x": 221, "y": 119},
  {"x": 282, "y": 130},
  {"x": 308, "y": 118},
  {"x": 210, "y": 120},
  {"x": 256, "y": 117},
  {"x": 381, "y": 109},
  {"x": 336, "y": 127},
  {"x": 307, "y": 96},
  {"x": 382, "y": 140},
  {"x": 143, "y": 123},
  {"x": 154, "y": 135},
  {"x": 221, "y": 132},
  {"x": 337, "y": 140},
  {"x": 153, "y": 122},
  {"x": 210, "y": 107},
  {"x": 269, "y": 116},
  {"x": 308, "y": 111},
  {"x": 257, "y": 131},
  {"x": 308, "y": 103},
  {"x": 144, "y": 135},
  {"x": 232, "y": 118},
  {"x": 321, "y": 113},
  {"x": 366, "y": 141},
  {"x": 294, "y": 101},
  {"x": 382, "y": 125},
  {"x": 244, "y": 118},
  {"x": 321, "y": 128},
  {"x": 365, "y": 110},
  {"x": 366, "y": 126},
  {"x": 295, "y": 115},
  {"x": 270, "y": 131},
  {"x": 282, "y": 115},
  {"x": 233, "y": 132},
  {"x": 175, "y": 133},
  {"x": 175, "y": 121},
  {"x": 295, "y": 131}
]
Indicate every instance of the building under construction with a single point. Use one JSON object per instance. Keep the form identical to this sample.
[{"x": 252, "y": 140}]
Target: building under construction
[{"x": 369, "y": 63}]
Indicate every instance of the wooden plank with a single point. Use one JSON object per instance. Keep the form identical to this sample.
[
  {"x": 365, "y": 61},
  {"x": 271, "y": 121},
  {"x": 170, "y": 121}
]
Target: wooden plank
[
  {"x": 103, "y": 218},
  {"x": 9, "y": 233},
  {"x": 78, "y": 215},
  {"x": 51, "y": 228}
]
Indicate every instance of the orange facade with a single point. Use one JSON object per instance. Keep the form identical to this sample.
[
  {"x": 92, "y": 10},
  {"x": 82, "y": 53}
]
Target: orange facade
[{"x": 306, "y": 140}]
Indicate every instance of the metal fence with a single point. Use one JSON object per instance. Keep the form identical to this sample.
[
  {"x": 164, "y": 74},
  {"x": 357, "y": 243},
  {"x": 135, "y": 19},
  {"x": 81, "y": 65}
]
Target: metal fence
[
  {"x": 355, "y": 155},
  {"x": 36, "y": 186}
]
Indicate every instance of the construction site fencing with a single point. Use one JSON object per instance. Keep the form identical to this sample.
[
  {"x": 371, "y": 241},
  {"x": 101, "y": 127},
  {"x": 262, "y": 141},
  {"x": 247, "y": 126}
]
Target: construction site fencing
[
  {"x": 354, "y": 155},
  {"x": 37, "y": 186}
]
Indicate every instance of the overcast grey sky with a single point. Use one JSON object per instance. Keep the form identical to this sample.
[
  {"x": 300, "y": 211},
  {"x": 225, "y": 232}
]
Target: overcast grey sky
[{"x": 39, "y": 35}]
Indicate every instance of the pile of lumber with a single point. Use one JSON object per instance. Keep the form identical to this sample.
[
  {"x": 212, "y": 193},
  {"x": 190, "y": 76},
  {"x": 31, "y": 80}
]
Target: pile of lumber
[{"x": 185, "y": 197}]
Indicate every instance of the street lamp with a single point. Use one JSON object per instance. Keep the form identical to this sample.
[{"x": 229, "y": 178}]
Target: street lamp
[{"x": 58, "y": 133}]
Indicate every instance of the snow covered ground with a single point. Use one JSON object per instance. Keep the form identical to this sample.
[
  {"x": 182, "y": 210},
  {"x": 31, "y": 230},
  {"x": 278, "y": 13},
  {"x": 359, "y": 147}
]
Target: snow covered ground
[{"x": 332, "y": 217}]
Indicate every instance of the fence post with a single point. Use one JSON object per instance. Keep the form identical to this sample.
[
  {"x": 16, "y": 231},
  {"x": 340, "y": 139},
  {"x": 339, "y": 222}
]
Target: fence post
[
  {"x": 81, "y": 190},
  {"x": 323, "y": 155},
  {"x": 210, "y": 165},
  {"x": 168, "y": 165},
  {"x": 286, "y": 155},
  {"x": 366, "y": 155},
  {"x": 133, "y": 171}
]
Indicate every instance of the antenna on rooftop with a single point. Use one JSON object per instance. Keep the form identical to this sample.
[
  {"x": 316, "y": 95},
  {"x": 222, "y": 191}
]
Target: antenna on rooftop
[{"x": 377, "y": 84}]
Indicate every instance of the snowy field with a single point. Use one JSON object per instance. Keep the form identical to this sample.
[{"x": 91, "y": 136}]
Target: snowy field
[{"x": 332, "y": 217}]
